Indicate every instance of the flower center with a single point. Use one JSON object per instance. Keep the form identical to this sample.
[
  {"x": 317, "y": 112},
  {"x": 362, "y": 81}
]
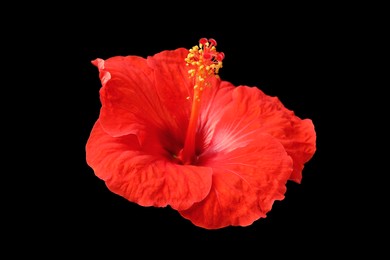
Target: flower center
[{"x": 204, "y": 62}]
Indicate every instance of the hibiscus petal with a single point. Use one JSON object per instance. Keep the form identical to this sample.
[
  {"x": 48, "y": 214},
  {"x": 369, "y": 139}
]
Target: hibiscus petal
[
  {"x": 300, "y": 144},
  {"x": 141, "y": 96},
  {"x": 215, "y": 101},
  {"x": 144, "y": 178},
  {"x": 250, "y": 167},
  {"x": 246, "y": 182},
  {"x": 122, "y": 80},
  {"x": 297, "y": 136}
]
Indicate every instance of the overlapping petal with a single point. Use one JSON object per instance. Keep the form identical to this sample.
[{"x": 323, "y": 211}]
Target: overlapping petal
[
  {"x": 250, "y": 167},
  {"x": 297, "y": 135},
  {"x": 140, "y": 96},
  {"x": 146, "y": 178}
]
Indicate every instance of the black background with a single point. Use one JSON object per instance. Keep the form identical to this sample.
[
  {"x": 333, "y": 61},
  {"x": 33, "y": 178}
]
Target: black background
[{"x": 294, "y": 53}]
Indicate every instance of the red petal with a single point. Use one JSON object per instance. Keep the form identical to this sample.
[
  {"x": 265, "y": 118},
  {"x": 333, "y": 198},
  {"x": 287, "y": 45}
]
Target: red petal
[
  {"x": 246, "y": 182},
  {"x": 143, "y": 95},
  {"x": 215, "y": 101},
  {"x": 300, "y": 144},
  {"x": 144, "y": 178},
  {"x": 250, "y": 167},
  {"x": 118, "y": 92},
  {"x": 297, "y": 136}
]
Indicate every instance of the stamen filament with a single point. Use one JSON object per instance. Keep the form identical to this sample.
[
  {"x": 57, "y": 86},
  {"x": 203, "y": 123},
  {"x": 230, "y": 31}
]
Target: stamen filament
[
  {"x": 188, "y": 154},
  {"x": 204, "y": 62}
]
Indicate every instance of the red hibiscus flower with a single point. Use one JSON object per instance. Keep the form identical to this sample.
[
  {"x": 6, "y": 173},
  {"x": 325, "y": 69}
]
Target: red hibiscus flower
[{"x": 172, "y": 133}]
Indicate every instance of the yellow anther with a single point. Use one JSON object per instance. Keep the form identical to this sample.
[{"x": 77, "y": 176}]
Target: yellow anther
[{"x": 204, "y": 62}]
